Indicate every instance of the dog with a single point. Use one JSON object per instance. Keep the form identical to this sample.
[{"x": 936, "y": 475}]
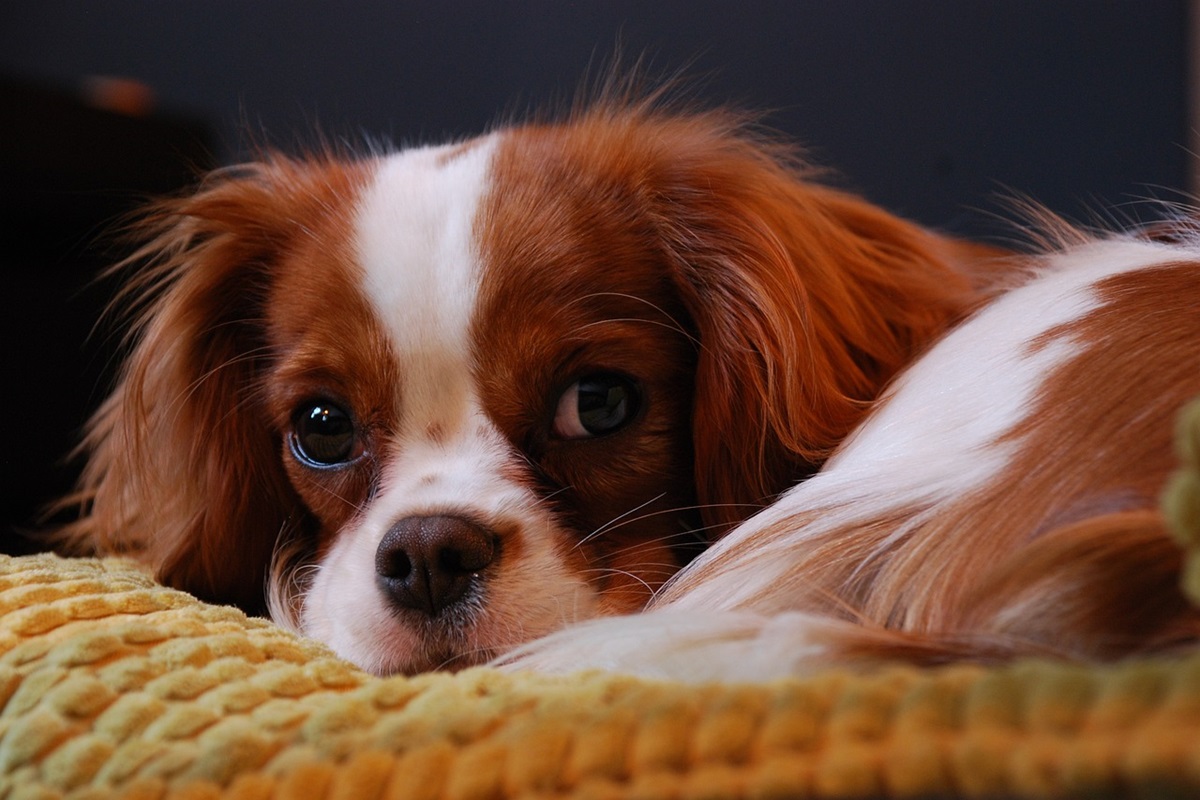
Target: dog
[
  {"x": 430, "y": 404},
  {"x": 1002, "y": 500}
]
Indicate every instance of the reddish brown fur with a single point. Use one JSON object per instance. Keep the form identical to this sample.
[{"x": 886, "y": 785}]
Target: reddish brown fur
[
  {"x": 1099, "y": 435},
  {"x": 763, "y": 313},
  {"x": 801, "y": 301},
  {"x": 185, "y": 466},
  {"x": 1065, "y": 550}
]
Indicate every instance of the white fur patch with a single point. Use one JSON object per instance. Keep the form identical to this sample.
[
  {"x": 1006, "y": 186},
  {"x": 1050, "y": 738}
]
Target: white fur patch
[
  {"x": 417, "y": 247},
  {"x": 683, "y": 645}
]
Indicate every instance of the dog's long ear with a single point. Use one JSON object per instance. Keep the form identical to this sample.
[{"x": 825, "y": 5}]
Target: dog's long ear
[
  {"x": 807, "y": 301},
  {"x": 183, "y": 469}
]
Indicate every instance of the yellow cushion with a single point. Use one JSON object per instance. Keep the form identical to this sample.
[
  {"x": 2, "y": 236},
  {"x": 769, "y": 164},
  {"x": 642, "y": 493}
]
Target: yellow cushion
[{"x": 111, "y": 685}]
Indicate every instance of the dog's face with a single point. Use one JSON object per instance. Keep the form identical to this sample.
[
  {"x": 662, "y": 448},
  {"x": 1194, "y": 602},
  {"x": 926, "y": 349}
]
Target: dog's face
[
  {"x": 492, "y": 439},
  {"x": 450, "y": 399}
]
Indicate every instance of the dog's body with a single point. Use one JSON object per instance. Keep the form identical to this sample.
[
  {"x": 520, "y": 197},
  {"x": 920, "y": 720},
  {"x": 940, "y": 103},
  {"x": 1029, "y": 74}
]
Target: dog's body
[
  {"x": 445, "y": 401},
  {"x": 1001, "y": 501}
]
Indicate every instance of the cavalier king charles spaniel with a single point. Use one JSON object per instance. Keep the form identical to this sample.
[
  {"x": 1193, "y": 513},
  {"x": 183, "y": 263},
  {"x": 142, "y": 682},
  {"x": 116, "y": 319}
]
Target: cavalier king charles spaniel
[{"x": 431, "y": 405}]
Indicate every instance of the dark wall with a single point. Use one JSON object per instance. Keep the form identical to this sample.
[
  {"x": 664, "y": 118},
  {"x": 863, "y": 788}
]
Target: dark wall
[
  {"x": 927, "y": 105},
  {"x": 933, "y": 108}
]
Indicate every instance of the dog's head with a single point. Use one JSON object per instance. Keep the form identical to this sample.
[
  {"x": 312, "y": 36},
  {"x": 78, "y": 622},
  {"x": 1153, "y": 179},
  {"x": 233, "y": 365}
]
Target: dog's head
[{"x": 448, "y": 399}]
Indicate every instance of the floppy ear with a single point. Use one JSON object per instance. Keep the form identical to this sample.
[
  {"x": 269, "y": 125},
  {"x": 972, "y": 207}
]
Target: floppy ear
[
  {"x": 183, "y": 467},
  {"x": 806, "y": 300}
]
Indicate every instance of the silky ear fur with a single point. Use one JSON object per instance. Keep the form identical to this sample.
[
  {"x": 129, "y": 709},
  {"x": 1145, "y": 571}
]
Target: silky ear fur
[
  {"x": 807, "y": 301},
  {"x": 183, "y": 468}
]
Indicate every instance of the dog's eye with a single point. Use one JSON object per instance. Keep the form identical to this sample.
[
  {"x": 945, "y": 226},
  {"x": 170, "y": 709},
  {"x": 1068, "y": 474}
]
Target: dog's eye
[
  {"x": 596, "y": 405},
  {"x": 323, "y": 435}
]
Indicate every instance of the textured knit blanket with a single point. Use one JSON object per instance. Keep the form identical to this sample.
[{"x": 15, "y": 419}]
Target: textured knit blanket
[{"x": 113, "y": 686}]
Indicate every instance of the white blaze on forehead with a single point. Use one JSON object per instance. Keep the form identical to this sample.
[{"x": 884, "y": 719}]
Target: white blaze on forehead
[{"x": 416, "y": 243}]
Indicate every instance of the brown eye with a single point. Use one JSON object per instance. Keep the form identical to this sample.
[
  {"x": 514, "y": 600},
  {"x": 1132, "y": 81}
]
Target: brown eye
[
  {"x": 323, "y": 435},
  {"x": 596, "y": 405}
]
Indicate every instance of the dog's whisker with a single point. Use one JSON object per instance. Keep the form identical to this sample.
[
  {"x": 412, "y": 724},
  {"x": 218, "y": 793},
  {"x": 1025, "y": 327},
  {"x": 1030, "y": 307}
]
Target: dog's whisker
[
  {"x": 357, "y": 506},
  {"x": 672, "y": 323},
  {"x": 608, "y": 571},
  {"x": 290, "y": 572},
  {"x": 624, "y": 519},
  {"x": 616, "y": 521},
  {"x": 671, "y": 326}
]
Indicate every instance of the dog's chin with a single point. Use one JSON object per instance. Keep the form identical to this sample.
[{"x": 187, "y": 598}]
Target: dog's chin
[
  {"x": 433, "y": 658},
  {"x": 386, "y": 643},
  {"x": 447, "y": 643},
  {"x": 431, "y": 655}
]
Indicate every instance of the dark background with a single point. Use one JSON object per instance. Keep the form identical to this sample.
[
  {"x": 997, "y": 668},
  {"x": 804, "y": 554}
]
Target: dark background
[{"x": 932, "y": 108}]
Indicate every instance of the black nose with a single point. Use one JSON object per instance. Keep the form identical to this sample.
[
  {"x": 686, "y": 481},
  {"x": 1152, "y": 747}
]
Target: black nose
[{"x": 428, "y": 563}]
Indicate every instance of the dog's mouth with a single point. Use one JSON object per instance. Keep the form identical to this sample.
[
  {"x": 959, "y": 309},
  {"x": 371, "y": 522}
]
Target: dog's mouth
[
  {"x": 443, "y": 642},
  {"x": 451, "y": 661}
]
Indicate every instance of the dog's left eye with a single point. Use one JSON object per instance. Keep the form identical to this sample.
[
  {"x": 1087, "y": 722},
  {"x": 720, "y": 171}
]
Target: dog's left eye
[
  {"x": 596, "y": 405},
  {"x": 323, "y": 435}
]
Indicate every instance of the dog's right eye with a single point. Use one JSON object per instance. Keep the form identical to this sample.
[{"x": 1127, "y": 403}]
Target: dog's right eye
[{"x": 323, "y": 435}]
